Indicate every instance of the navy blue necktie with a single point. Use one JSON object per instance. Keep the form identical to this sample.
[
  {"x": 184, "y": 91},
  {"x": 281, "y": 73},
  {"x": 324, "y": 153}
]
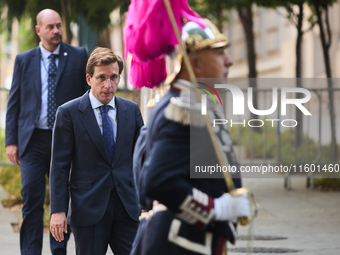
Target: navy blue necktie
[
  {"x": 51, "y": 83},
  {"x": 107, "y": 130}
]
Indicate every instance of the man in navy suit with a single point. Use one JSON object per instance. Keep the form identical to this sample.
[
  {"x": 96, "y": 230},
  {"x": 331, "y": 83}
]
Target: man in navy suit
[
  {"x": 44, "y": 78},
  {"x": 93, "y": 142}
]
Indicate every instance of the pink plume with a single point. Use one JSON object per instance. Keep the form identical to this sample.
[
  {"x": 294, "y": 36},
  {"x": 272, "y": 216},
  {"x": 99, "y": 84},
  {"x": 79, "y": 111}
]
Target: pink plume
[{"x": 149, "y": 37}]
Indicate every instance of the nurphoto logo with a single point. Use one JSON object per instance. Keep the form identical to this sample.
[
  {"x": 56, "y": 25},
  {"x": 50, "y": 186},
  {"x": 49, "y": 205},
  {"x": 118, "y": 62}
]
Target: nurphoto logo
[
  {"x": 239, "y": 105},
  {"x": 204, "y": 97}
]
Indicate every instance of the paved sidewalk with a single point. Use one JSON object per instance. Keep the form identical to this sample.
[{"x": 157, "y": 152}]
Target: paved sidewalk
[
  {"x": 9, "y": 241},
  {"x": 308, "y": 220}
]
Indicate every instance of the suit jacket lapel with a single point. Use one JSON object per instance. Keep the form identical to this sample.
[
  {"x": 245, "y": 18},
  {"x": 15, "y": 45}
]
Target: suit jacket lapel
[
  {"x": 63, "y": 56},
  {"x": 122, "y": 125},
  {"x": 35, "y": 66},
  {"x": 91, "y": 125}
]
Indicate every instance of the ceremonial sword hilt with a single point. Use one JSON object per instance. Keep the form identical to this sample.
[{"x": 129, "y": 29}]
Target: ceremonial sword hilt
[{"x": 238, "y": 192}]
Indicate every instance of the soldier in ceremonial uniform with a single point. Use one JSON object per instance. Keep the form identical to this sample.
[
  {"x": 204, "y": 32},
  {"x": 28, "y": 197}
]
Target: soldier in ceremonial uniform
[{"x": 190, "y": 216}]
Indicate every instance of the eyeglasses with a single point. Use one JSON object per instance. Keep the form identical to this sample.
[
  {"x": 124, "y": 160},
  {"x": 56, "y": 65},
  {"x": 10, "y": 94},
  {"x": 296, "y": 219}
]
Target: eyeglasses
[{"x": 114, "y": 78}]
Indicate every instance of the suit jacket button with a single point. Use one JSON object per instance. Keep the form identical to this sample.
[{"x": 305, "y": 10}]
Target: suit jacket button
[{"x": 108, "y": 186}]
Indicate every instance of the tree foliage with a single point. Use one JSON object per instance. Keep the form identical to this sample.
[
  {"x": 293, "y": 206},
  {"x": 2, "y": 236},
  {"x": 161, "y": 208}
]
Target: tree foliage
[
  {"x": 95, "y": 13},
  {"x": 212, "y": 10}
]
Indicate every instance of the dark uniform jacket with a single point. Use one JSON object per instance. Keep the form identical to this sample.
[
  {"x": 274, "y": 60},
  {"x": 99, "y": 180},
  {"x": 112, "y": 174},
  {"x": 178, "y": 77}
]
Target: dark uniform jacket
[{"x": 187, "y": 226}]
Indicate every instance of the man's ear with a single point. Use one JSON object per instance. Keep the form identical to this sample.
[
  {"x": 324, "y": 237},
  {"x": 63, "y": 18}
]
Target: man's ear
[
  {"x": 37, "y": 30},
  {"x": 196, "y": 63},
  {"x": 88, "y": 79}
]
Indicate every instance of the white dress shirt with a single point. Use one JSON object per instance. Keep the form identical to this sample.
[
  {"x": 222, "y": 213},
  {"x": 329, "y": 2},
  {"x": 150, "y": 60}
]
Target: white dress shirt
[
  {"x": 95, "y": 103},
  {"x": 44, "y": 65}
]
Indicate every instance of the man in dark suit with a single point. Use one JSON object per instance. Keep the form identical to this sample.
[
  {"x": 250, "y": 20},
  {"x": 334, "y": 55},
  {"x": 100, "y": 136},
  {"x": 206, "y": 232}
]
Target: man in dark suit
[
  {"x": 93, "y": 142},
  {"x": 44, "y": 78}
]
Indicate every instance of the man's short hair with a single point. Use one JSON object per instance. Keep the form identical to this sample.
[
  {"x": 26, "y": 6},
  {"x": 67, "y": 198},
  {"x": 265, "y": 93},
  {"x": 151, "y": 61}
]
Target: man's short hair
[{"x": 103, "y": 56}]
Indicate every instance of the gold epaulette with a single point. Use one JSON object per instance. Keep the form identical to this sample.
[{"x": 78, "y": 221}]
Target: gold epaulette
[{"x": 182, "y": 110}]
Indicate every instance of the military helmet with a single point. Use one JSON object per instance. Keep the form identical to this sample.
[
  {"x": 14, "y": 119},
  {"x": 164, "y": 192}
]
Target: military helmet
[{"x": 197, "y": 38}]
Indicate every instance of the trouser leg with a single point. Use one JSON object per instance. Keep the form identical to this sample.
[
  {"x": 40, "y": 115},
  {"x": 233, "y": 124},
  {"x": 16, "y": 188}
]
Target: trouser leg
[
  {"x": 115, "y": 228},
  {"x": 124, "y": 229},
  {"x": 34, "y": 166}
]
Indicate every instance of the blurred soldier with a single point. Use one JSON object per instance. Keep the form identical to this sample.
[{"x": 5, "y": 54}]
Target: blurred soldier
[
  {"x": 43, "y": 78},
  {"x": 190, "y": 216}
]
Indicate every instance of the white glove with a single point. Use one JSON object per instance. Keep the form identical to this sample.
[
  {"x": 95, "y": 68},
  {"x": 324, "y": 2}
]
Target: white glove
[{"x": 230, "y": 208}]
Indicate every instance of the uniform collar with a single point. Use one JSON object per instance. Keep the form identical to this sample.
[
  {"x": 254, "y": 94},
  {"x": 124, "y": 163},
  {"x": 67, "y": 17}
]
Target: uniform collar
[{"x": 181, "y": 84}]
